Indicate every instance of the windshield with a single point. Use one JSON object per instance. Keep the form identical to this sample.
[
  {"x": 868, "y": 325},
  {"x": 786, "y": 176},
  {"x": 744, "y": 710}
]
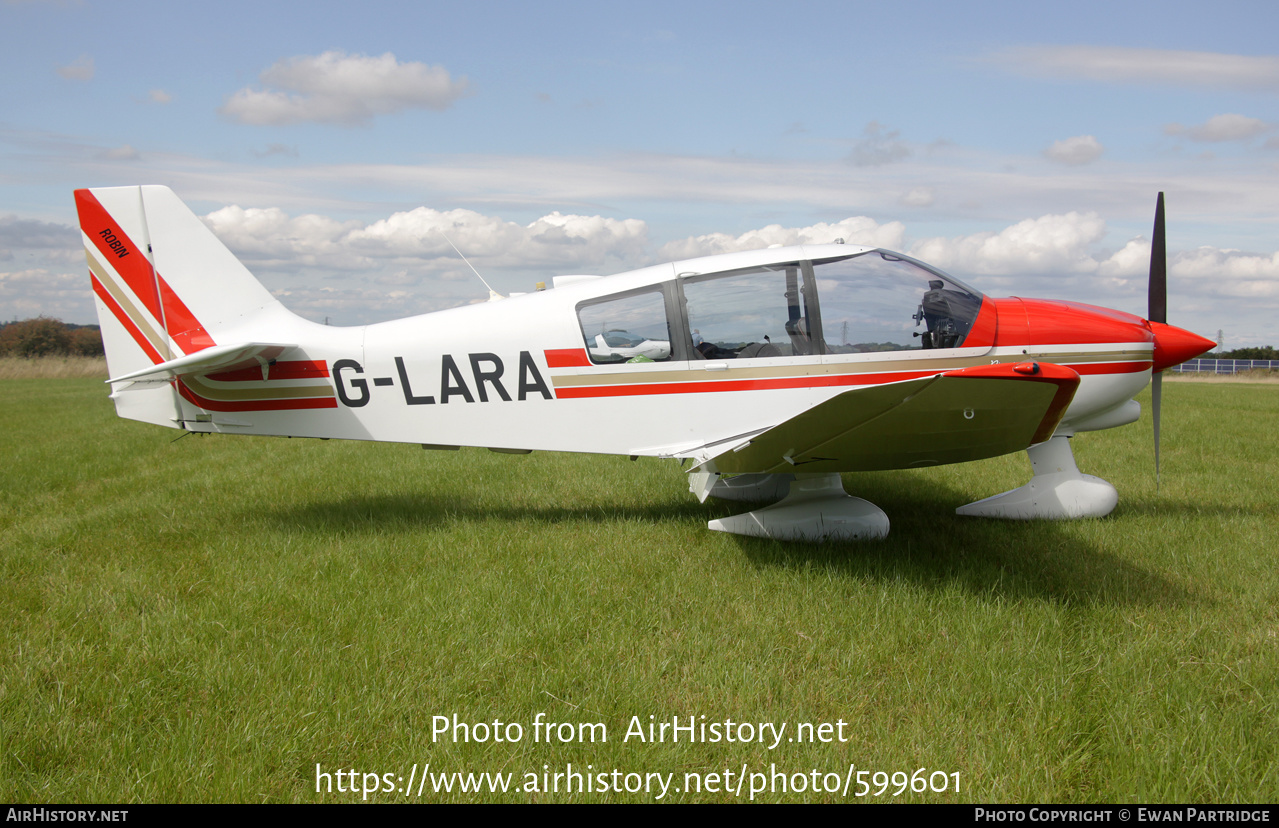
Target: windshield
[{"x": 883, "y": 301}]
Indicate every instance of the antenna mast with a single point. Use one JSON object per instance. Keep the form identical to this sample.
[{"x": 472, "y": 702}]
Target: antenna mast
[{"x": 493, "y": 294}]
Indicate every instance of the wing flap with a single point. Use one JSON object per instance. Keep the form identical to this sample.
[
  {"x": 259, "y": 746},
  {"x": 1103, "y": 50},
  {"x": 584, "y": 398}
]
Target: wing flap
[{"x": 953, "y": 417}]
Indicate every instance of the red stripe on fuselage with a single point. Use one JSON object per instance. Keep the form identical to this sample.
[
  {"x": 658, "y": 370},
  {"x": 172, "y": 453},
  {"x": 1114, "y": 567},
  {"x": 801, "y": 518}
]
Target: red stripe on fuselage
[
  {"x": 815, "y": 381},
  {"x": 255, "y": 405},
  {"x": 567, "y": 358},
  {"x": 1089, "y": 368},
  {"x": 293, "y": 369},
  {"x": 711, "y": 386}
]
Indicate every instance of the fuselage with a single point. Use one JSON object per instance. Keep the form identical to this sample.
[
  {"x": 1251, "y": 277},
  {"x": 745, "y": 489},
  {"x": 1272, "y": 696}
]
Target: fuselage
[{"x": 743, "y": 341}]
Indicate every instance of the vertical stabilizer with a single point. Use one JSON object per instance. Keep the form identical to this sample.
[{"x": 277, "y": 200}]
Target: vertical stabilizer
[{"x": 165, "y": 288}]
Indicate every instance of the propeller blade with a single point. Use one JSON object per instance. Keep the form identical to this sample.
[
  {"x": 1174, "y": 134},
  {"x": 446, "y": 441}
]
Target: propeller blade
[{"x": 1158, "y": 294}]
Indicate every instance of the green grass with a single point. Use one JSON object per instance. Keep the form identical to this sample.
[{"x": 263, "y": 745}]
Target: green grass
[{"x": 208, "y": 619}]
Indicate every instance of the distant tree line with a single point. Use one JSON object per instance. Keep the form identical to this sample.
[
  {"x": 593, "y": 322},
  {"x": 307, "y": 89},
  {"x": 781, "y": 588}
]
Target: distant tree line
[
  {"x": 43, "y": 336},
  {"x": 1264, "y": 352}
]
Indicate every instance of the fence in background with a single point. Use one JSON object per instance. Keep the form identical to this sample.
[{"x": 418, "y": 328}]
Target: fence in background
[{"x": 1225, "y": 366}]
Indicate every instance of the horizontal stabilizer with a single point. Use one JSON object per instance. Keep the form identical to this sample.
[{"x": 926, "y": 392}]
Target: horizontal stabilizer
[{"x": 208, "y": 361}]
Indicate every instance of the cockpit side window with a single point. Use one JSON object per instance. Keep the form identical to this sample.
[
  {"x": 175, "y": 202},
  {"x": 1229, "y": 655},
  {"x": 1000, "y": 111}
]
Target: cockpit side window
[
  {"x": 631, "y": 328},
  {"x": 879, "y": 301},
  {"x": 748, "y": 314}
]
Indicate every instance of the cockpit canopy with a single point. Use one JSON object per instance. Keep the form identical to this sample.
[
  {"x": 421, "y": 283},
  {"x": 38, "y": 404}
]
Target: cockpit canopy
[{"x": 866, "y": 302}]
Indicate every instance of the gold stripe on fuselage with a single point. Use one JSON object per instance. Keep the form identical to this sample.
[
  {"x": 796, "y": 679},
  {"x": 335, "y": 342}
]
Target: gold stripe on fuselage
[{"x": 879, "y": 366}]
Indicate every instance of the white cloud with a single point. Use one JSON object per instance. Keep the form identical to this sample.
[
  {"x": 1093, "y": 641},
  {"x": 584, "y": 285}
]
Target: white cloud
[
  {"x": 858, "y": 230},
  {"x": 1046, "y": 245},
  {"x": 402, "y": 265},
  {"x": 159, "y": 96},
  {"x": 1179, "y": 68},
  {"x": 1064, "y": 248},
  {"x": 551, "y": 239},
  {"x": 79, "y": 69},
  {"x": 338, "y": 88},
  {"x": 40, "y": 291},
  {"x": 418, "y": 236},
  {"x": 589, "y": 239},
  {"x": 1077, "y": 151},
  {"x": 422, "y": 231},
  {"x": 1230, "y": 272},
  {"x": 1227, "y": 127},
  {"x": 1132, "y": 260},
  {"x": 270, "y": 235}
]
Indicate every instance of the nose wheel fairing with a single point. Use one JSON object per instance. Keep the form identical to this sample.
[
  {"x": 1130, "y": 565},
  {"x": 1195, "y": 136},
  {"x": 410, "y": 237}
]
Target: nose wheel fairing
[{"x": 1057, "y": 491}]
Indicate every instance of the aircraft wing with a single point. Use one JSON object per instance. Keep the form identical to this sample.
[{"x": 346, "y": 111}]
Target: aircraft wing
[{"x": 952, "y": 417}]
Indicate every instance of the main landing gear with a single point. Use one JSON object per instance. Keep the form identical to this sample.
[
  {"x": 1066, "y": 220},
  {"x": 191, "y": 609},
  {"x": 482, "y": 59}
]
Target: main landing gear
[{"x": 815, "y": 507}]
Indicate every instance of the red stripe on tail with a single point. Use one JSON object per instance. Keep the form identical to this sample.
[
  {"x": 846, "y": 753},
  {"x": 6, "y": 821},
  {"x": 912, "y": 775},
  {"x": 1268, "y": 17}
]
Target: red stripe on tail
[{"x": 131, "y": 262}]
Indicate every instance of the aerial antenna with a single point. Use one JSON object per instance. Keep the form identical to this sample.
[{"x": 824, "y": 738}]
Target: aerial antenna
[{"x": 493, "y": 294}]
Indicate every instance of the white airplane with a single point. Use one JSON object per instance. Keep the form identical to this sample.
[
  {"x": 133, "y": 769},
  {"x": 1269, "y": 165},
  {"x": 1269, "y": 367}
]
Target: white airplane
[{"x": 766, "y": 372}]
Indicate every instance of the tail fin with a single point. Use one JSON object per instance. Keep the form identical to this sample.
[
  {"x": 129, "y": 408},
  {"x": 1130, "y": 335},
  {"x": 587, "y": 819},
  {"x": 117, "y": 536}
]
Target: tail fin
[{"x": 166, "y": 289}]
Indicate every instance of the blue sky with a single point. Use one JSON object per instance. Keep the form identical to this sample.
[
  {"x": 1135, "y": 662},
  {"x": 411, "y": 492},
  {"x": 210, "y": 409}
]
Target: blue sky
[{"x": 1017, "y": 147}]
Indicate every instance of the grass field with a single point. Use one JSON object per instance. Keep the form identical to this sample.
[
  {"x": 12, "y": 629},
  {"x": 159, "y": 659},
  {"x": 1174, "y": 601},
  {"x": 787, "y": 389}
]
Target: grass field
[{"x": 209, "y": 619}]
